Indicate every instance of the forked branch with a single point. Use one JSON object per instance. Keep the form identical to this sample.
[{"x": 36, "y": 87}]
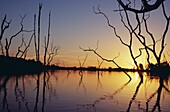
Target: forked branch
[
  {"x": 8, "y": 43},
  {"x": 146, "y": 7}
]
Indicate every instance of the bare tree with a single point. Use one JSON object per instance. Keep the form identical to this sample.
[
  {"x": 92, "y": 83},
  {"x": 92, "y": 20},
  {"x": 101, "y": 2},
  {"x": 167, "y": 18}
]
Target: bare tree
[
  {"x": 142, "y": 16},
  {"x": 24, "y": 52},
  {"x": 47, "y": 40},
  {"x": 4, "y": 26},
  {"x": 52, "y": 53},
  {"x": 9, "y": 42},
  {"x": 82, "y": 64},
  {"x": 37, "y": 38},
  {"x": 138, "y": 34},
  {"x": 145, "y": 7},
  {"x": 39, "y": 23}
]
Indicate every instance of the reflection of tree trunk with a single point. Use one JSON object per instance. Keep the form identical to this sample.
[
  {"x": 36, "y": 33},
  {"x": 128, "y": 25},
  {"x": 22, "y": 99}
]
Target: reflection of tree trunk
[
  {"x": 44, "y": 86},
  {"x": 37, "y": 94},
  {"x": 99, "y": 84},
  {"x": 5, "y": 102},
  {"x": 3, "y": 86},
  {"x": 16, "y": 93},
  {"x": 136, "y": 92},
  {"x": 158, "y": 96},
  {"x": 81, "y": 81}
]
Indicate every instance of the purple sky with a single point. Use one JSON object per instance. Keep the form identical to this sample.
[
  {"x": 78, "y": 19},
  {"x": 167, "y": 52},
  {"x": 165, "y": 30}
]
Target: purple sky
[{"x": 74, "y": 24}]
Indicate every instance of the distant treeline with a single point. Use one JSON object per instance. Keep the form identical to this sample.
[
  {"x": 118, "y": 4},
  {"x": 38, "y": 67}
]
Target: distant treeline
[{"x": 14, "y": 66}]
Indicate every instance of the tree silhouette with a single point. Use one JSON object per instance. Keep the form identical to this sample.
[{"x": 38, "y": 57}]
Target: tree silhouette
[{"x": 139, "y": 30}]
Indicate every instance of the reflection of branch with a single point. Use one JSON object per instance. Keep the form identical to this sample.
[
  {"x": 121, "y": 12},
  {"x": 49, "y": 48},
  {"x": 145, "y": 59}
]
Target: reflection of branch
[
  {"x": 104, "y": 97},
  {"x": 81, "y": 82},
  {"x": 149, "y": 99},
  {"x": 98, "y": 73},
  {"x": 135, "y": 94},
  {"x": 20, "y": 94},
  {"x": 68, "y": 74},
  {"x": 44, "y": 86},
  {"x": 158, "y": 92},
  {"x": 5, "y": 102},
  {"x": 3, "y": 86},
  {"x": 37, "y": 93},
  {"x": 51, "y": 90},
  {"x": 81, "y": 73},
  {"x": 98, "y": 79},
  {"x": 157, "y": 104}
]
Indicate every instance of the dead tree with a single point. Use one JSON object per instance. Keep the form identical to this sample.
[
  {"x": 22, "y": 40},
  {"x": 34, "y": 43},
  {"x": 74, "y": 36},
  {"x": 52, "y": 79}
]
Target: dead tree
[
  {"x": 47, "y": 40},
  {"x": 138, "y": 34},
  {"x": 39, "y": 22},
  {"x": 136, "y": 30},
  {"x": 52, "y": 53},
  {"x": 145, "y": 7},
  {"x": 82, "y": 64},
  {"x": 4, "y": 26},
  {"x": 24, "y": 52},
  {"x": 37, "y": 38},
  {"x": 9, "y": 42}
]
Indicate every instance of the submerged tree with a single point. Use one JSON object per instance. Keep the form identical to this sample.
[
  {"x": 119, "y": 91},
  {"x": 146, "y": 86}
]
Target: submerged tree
[
  {"x": 37, "y": 38},
  {"x": 138, "y": 28}
]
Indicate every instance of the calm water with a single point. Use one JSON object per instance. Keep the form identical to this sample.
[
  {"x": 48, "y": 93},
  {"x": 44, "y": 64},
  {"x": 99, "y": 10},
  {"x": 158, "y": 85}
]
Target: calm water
[{"x": 74, "y": 91}]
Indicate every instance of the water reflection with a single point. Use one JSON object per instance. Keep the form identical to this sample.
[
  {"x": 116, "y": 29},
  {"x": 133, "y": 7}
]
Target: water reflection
[{"x": 70, "y": 91}]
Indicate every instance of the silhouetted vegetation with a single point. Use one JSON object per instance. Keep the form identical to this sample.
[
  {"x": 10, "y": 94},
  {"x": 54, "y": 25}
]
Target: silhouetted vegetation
[
  {"x": 13, "y": 65},
  {"x": 129, "y": 11}
]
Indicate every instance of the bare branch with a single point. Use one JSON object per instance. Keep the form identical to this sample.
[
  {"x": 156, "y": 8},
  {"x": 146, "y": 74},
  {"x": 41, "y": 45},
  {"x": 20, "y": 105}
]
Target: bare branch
[
  {"x": 105, "y": 59},
  {"x": 24, "y": 52},
  {"x": 165, "y": 31},
  {"x": 4, "y": 25},
  {"x": 82, "y": 64},
  {"x": 100, "y": 63},
  {"x": 19, "y": 48},
  {"x": 108, "y": 22},
  {"x": 146, "y": 7},
  {"x": 52, "y": 53},
  {"x": 8, "y": 44},
  {"x": 46, "y": 42},
  {"x": 26, "y": 47}
]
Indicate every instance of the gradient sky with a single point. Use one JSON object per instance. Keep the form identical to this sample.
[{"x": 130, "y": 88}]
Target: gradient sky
[{"x": 74, "y": 24}]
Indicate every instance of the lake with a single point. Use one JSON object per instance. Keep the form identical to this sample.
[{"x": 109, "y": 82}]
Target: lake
[{"x": 75, "y": 91}]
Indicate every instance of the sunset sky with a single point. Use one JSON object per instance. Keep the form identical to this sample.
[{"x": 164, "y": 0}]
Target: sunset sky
[{"x": 74, "y": 24}]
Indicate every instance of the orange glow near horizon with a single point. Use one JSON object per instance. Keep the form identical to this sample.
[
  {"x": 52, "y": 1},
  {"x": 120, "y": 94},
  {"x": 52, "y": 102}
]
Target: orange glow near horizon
[{"x": 74, "y": 24}]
